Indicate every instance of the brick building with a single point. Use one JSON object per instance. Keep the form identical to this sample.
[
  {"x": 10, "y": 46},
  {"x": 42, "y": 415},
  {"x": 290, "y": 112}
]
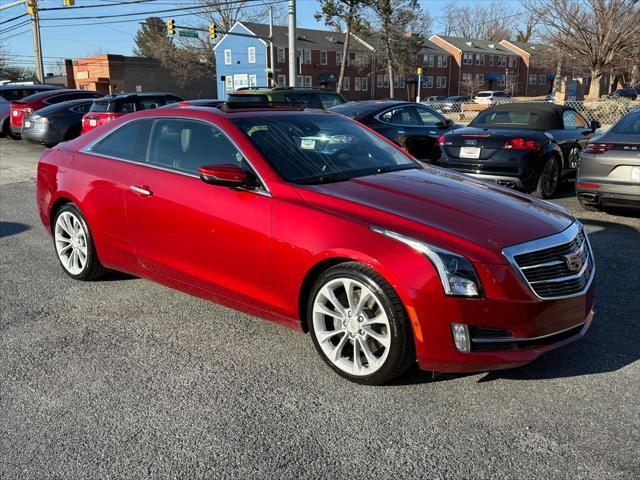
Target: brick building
[
  {"x": 244, "y": 61},
  {"x": 536, "y": 66},
  {"x": 486, "y": 65},
  {"x": 119, "y": 74}
]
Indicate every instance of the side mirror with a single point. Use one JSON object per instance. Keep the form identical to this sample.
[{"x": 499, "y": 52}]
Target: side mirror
[
  {"x": 595, "y": 125},
  {"x": 225, "y": 175}
]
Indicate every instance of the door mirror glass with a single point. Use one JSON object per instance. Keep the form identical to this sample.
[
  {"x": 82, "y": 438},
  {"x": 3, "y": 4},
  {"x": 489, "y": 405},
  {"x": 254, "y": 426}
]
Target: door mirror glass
[{"x": 225, "y": 174}]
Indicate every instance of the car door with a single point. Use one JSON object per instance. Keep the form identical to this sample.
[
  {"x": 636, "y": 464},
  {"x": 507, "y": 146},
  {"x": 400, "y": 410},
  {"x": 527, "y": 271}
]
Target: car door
[
  {"x": 433, "y": 125},
  {"x": 216, "y": 238},
  {"x": 399, "y": 123},
  {"x": 573, "y": 138}
]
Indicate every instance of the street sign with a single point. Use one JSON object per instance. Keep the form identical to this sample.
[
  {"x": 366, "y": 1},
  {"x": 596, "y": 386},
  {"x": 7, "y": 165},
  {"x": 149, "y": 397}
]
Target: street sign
[{"x": 187, "y": 33}]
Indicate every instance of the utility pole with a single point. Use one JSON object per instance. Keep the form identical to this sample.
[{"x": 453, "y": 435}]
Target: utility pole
[
  {"x": 32, "y": 9},
  {"x": 292, "y": 43},
  {"x": 271, "y": 47}
]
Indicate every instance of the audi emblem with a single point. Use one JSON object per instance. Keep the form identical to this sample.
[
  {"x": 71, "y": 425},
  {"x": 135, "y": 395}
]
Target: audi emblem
[{"x": 470, "y": 142}]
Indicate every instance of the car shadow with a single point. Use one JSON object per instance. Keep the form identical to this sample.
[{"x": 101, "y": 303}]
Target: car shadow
[
  {"x": 8, "y": 229},
  {"x": 115, "y": 276},
  {"x": 612, "y": 341}
]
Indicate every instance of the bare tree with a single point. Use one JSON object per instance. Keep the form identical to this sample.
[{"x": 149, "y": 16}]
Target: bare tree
[
  {"x": 492, "y": 22},
  {"x": 601, "y": 32},
  {"x": 527, "y": 27},
  {"x": 226, "y": 14},
  {"x": 341, "y": 14}
]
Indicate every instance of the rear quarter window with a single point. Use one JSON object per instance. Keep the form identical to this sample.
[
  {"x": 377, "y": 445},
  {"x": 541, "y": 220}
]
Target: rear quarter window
[{"x": 129, "y": 142}]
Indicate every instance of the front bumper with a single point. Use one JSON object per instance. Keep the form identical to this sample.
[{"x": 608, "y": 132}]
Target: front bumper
[{"x": 536, "y": 326}]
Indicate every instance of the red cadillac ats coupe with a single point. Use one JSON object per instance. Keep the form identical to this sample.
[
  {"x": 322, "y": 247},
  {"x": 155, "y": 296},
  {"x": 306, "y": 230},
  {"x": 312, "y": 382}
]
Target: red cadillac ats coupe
[{"x": 314, "y": 221}]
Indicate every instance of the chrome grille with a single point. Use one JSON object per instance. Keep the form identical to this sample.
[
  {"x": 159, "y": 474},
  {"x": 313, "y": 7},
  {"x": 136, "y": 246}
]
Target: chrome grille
[{"x": 558, "y": 266}]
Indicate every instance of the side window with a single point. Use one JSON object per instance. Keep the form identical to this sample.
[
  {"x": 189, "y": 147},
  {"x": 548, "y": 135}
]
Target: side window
[
  {"x": 401, "y": 116},
  {"x": 427, "y": 116},
  {"x": 126, "y": 107},
  {"x": 146, "y": 103},
  {"x": 572, "y": 119},
  {"x": 84, "y": 108},
  {"x": 329, "y": 100},
  {"x": 185, "y": 145},
  {"x": 580, "y": 121},
  {"x": 128, "y": 142}
]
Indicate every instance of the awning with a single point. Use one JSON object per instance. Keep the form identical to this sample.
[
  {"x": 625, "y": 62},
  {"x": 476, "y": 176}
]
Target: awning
[
  {"x": 328, "y": 77},
  {"x": 494, "y": 76}
]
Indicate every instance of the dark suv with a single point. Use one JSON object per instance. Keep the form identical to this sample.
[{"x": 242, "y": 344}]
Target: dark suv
[
  {"x": 319, "y": 98},
  {"x": 113, "y": 106}
]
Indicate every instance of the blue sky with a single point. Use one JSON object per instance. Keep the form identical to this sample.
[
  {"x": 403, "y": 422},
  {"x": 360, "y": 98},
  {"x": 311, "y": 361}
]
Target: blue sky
[{"x": 73, "y": 39}]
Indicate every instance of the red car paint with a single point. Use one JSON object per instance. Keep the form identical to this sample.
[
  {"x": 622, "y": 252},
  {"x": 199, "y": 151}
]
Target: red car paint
[
  {"x": 253, "y": 252},
  {"x": 92, "y": 120}
]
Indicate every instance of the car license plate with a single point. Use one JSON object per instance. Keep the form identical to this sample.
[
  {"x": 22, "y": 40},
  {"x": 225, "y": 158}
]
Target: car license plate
[
  {"x": 15, "y": 113},
  {"x": 635, "y": 174},
  {"x": 93, "y": 123},
  {"x": 27, "y": 124},
  {"x": 469, "y": 152}
]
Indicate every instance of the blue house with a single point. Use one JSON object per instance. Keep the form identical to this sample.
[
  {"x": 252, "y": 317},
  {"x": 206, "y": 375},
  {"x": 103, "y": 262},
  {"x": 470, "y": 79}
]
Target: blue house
[{"x": 240, "y": 61}]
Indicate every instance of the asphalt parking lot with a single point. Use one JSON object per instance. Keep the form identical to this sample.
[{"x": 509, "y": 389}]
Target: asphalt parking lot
[{"x": 124, "y": 378}]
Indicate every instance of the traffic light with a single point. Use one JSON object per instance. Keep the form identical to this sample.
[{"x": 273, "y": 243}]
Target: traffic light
[
  {"x": 212, "y": 31},
  {"x": 69, "y": 3},
  {"x": 32, "y": 7},
  {"x": 171, "y": 27}
]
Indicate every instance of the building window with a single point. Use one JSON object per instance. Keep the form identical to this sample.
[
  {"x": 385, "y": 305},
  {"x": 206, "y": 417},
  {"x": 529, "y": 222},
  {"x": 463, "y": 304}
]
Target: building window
[
  {"x": 228, "y": 83},
  {"x": 479, "y": 78},
  {"x": 251, "y": 54},
  {"x": 345, "y": 84},
  {"x": 379, "y": 81},
  {"x": 512, "y": 62},
  {"x": 443, "y": 82},
  {"x": 227, "y": 57},
  {"x": 395, "y": 82},
  {"x": 356, "y": 84},
  {"x": 532, "y": 79},
  {"x": 542, "y": 79},
  {"x": 282, "y": 80},
  {"x": 467, "y": 78},
  {"x": 323, "y": 57},
  {"x": 429, "y": 81},
  {"x": 479, "y": 59},
  {"x": 401, "y": 81},
  {"x": 491, "y": 60},
  {"x": 299, "y": 81},
  {"x": 385, "y": 81},
  {"x": 365, "y": 84},
  {"x": 253, "y": 81},
  {"x": 430, "y": 60},
  {"x": 438, "y": 85},
  {"x": 280, "y": 54},
  {"x": 467, "y": 58},
  {"x": 307, "y": 56},
  {"x": 444, "y": 61},
  {"x": 502, "y": 61},
  {"x": 338, "y": 58},
  {"x": 307, "y": 81}
]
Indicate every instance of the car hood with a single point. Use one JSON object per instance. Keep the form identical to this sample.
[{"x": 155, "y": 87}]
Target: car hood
[{"x": 443, "y": 208}]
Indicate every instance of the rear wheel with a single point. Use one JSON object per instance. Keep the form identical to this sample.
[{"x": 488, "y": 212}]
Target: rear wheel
[
  {"x": 359, "y": 325},
  {"x": 549, "y": 179},
  {"x": 74, "y": 245}
]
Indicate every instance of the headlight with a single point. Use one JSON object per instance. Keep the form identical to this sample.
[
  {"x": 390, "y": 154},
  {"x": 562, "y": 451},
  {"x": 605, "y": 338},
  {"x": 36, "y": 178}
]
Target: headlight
[{"x": 457, "y": 275}]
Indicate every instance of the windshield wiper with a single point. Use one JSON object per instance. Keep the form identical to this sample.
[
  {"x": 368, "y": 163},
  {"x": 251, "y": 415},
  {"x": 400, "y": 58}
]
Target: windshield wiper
[
  {"x": 331, "y": 178},
  {"x": 394, "y": 168}
]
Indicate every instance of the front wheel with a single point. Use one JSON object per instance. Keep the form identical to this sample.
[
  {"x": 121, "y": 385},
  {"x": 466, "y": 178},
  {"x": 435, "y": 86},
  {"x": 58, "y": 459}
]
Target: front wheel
[
  {"x": 549, "y": 179},
  {"x": 74, "y": 245},
  {"x": 359, "y": 325}
]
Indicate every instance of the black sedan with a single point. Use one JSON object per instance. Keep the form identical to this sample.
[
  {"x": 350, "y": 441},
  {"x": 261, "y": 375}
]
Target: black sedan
[
  {"x": 530, "y": 146},
  {"x": 56, "y": 123},
  {"x": 410, "y": 125}
]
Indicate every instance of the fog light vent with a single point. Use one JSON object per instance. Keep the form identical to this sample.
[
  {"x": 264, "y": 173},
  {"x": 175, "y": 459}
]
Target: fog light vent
[{"x": 461, "y": 337}]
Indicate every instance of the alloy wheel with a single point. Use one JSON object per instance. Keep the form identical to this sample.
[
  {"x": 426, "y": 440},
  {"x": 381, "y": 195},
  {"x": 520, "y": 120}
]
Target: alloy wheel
[
  {"x": 550, "y": 177},
  {"x": 351, "y": 326},
  {"x": 71, "y": 243}
]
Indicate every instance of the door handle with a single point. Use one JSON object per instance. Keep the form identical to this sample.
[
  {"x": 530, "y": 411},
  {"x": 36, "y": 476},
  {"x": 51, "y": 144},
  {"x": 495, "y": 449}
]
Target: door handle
[{"x": 141, "y": 191}]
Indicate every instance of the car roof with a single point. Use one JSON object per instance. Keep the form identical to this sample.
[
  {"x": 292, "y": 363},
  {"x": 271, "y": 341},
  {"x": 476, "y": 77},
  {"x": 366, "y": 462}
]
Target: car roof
[
  {"x": 550, "y": 114},
  {"x": 250, "y": 111},
  {"x": 122, "y": 96},
  {"x": 49, "y": 93},
  {"x": 64, "y": 105},
  {"x": 366, "y": 107},
  {"x": 267, "y": 90},
  {"x": 36, "y": 86}
]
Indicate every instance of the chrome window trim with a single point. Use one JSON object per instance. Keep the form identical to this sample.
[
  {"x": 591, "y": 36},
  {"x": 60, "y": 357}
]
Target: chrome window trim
[
  {"x": 88, "y": 149},
  {"x": 379, "y": 115},
  {"x": 566, "y": 236}
]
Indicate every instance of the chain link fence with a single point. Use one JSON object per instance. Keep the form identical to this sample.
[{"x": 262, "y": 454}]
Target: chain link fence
[{"x": 607, "y": 112}]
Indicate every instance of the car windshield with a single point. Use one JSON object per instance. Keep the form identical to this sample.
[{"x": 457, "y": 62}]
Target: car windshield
[
  {"x": 518, "y": 119},
  {"x": 319, "y": 148}
]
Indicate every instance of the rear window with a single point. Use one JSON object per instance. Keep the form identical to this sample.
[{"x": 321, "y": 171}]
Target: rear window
[
  {"x": 483, "y": 94},
  {"x": 243, "y": 98},
  {"x": 100, "y": 107},
  {"x": 14, "y": 94},
  {"x": 629, "y": 124},
  {"x": 515, "y": 119},
  {"x": 352, "y": 110}
]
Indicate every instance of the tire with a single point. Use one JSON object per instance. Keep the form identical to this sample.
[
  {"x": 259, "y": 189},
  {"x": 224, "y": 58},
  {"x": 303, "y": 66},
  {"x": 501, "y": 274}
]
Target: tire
[
  {"x": 549, "y": 179},
  {"x": 370, "y": 343},
  {"x": 13, "y": 136},
  {"x": 73, "y": 242}
]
